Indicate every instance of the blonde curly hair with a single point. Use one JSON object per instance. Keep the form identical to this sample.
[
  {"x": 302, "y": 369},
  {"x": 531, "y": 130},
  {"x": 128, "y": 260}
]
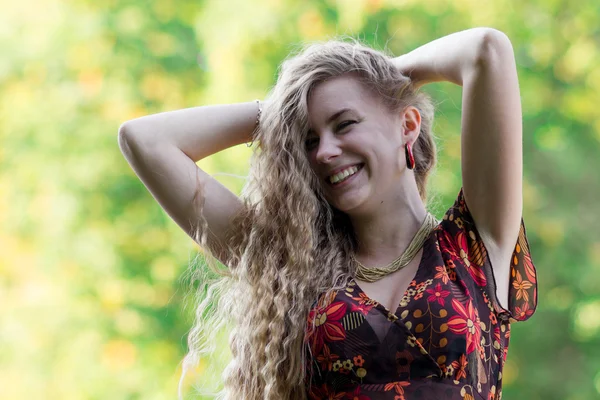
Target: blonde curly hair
[{"x": 289, "y": 246}]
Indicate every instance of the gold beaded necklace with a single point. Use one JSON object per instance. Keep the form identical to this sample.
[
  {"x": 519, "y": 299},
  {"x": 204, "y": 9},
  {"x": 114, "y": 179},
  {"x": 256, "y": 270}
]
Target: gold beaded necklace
[{"x": 376, "y": 273}]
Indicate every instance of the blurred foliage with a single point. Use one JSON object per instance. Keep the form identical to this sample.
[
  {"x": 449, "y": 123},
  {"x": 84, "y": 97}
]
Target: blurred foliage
[{"x": 92, "y": 303}]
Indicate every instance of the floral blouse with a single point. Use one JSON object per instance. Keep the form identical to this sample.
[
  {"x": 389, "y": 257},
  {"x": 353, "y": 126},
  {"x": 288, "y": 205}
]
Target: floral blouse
[{"x": 448, "y": 338}]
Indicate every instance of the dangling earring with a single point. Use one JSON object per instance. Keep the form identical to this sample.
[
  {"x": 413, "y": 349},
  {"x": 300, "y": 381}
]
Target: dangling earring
[{"x": 410, "y": 160}]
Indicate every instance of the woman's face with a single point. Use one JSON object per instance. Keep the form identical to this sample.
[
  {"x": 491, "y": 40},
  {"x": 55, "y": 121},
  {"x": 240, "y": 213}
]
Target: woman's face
[{"x": 352, "y": 132}]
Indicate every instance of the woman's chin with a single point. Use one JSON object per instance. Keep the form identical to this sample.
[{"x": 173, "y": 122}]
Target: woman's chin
[
  {"x": 351, "y": 195},
  {"x": 348, "y": 204}
]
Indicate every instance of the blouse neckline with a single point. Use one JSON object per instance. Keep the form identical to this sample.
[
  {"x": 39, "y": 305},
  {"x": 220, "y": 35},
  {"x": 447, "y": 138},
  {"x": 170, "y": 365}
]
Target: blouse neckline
[{"x": 424, "y": 257}]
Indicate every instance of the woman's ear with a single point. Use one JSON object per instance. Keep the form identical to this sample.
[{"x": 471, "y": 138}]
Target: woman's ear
[{"x": 411, "y": 122}]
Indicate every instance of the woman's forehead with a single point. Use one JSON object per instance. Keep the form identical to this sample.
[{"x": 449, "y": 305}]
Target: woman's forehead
[
  {"x": 331, "y": 96},
  {"x": 336, "y": 89}
]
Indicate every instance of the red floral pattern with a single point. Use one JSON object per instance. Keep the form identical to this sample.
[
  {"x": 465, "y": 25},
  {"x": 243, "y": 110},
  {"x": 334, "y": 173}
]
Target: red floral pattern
[
  {"x": 328, "y": 326},
  {"x": 437, "y": 294},
  {"x": 448, "y": 338}
]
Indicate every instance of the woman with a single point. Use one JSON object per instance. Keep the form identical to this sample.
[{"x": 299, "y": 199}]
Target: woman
[{"x": 340, "y": 284}]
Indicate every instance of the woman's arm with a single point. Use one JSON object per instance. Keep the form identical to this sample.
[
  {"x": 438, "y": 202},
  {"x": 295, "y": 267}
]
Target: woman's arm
[
  {"x": 482, "y": 61},
  {"x": 198, "y": 131},
  {"x": 163, "y": 149},
  {"x": 448, "y": 58}
]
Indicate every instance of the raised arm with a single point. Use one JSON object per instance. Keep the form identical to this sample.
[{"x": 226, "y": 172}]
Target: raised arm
[
  {"x": 482, "y": 61},
  {"x": 163, "y": 150}
]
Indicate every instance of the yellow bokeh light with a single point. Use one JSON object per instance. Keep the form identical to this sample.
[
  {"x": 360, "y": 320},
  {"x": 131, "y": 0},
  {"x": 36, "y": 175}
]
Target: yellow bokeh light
[
  {"x": 119, "y": 354},
  {"x": 112, "y": 294},
  {"x": 587, "y": 320},
  {"x": 576, "y": 60},
  {"x": 163, "y": 269},
  {"x": 129, "y": 322},
  {"x": 551, "y": 232},
  {"x": 311, "y": 24}
]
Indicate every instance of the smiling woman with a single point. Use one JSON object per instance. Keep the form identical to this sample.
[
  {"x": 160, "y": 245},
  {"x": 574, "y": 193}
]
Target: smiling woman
[
  {"x": 341, "y": 284},
  {"x": 354, "y": 128}
]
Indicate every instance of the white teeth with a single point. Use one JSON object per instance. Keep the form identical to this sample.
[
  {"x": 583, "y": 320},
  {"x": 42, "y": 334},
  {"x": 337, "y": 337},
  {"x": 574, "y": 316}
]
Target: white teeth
[{"x": 340, "y": 176}]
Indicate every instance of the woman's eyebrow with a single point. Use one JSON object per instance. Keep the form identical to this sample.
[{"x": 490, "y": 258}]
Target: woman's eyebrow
[
  {"x": 333, "y": 117},
  {"x": 337, "y": 114}
]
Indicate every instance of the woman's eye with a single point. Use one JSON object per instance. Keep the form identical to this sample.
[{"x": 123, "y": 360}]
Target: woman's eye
[{"x": 345, "y": 124}]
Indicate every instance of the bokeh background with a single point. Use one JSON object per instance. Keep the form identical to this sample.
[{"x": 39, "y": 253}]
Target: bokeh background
[{"x": 91, "y": 298}]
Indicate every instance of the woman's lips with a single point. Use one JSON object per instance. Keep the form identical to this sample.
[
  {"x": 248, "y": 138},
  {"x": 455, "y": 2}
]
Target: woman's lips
[{"x": 348, "y": 179}]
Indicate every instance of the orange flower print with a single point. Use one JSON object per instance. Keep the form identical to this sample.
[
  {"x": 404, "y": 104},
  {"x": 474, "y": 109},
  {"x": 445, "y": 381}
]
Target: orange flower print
[
  {"x": 493, "y": 319},
  {"x": 327, "y": 325},
  {"x": 364, "y": 299},
  {"x": 481, "y": 350},
  {"x": 437, "y": 294},
  {"x": 522, "y": 287},
  {"x": 358, "y": 360},
  {"x": 398, "y": 386},
  {"x": 460, "y": 367},
  {"x": 466, "y": 323},
  {"x": 441, "y": 274},
  {"x": 522, "y": 313},
  {"x": 325, "y": 392},
  {"x": 452, "y": 275},
  {"x": 355, "y": 395},
  {"x": 326, "y": 358}
]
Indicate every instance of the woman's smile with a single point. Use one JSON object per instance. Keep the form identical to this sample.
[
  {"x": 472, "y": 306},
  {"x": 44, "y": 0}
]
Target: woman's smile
[{"x": 345, "y": 178}]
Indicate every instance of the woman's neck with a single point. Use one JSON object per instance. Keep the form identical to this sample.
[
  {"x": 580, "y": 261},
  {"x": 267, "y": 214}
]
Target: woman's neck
[{"x": 384, "y": 234}]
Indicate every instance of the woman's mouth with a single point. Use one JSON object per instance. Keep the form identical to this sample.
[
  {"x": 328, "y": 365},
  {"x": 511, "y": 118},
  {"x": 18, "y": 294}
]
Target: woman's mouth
[{"x": 345, "y": 176}]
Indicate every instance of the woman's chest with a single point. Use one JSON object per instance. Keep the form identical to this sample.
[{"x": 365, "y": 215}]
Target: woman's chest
[
  {"x": 440, "y": 308},
  {"x": 440, "y": 323},
  {"x": 389, "y": 290}
]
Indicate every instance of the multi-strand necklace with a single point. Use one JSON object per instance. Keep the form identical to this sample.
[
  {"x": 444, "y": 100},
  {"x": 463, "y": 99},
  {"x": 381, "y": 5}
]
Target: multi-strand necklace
[{"x": 376, "y": 273}]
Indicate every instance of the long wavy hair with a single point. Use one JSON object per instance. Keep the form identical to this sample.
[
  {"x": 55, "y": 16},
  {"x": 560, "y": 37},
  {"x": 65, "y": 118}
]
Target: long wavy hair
[{"x": 289, "y": 246}]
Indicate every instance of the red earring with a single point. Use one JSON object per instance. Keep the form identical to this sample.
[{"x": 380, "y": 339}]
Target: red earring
[{"x": 410, "y": 160}]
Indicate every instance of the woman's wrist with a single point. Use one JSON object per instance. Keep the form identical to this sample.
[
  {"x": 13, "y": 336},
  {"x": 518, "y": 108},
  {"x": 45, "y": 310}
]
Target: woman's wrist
[{"x": 256, "y": 127}]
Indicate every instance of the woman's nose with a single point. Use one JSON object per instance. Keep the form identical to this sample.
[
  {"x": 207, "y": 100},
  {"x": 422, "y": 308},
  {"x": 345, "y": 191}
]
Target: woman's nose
[{"x": 328, "y": 148}]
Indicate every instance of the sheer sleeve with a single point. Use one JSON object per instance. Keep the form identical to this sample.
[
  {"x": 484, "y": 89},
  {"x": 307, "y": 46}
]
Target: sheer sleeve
[{"x": 465, "y": 242}]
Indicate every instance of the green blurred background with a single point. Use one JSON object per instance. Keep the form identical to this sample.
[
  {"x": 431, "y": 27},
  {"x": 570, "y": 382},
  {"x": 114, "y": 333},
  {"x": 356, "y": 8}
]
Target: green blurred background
[{"x": 92, "y": 303}]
